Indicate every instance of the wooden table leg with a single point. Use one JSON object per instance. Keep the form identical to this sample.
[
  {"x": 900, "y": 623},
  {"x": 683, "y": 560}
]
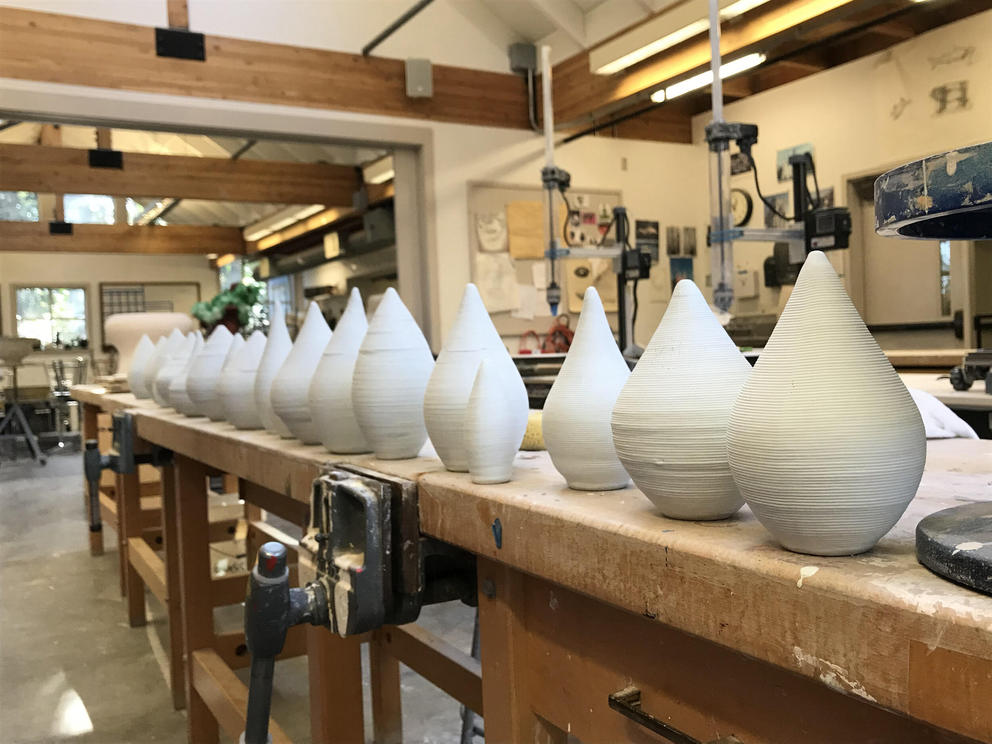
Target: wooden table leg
[
  {"x": 336, "y": 709},
  {"x": 509, "y": 716},
  {"x": 387, "y": 704},
  {"x": 89, "y": 431},
  {"x": 170, "y": 540},
  {"x": 129, "y": 527},
  {"x": 195, "y": 584}
]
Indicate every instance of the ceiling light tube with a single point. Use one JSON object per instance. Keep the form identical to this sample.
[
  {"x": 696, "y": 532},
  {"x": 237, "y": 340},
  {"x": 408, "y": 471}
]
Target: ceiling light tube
[{"x": 703, "y": 79}]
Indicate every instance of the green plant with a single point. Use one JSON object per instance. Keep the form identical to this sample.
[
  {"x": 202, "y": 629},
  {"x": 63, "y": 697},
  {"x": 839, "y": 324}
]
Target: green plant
[{"x": 245, "y": 297}]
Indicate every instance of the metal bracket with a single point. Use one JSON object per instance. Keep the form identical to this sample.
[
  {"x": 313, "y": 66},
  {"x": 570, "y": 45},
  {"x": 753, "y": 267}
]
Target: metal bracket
[
  {"x": 104, "y": 158},
  {"x": 371, "y": 560},
  {"x": 180, "y": 43},
  {"x": 627, "y": 702}
]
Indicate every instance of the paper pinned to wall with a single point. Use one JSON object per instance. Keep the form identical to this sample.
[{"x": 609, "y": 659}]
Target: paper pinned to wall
[
  {"x": 496, "y": 278},
  {"x": 582, "y": 273},
  {"x": 539, "y": 273},
  {"x": 491, "y": 231},
  {"x": 528, "y": 302}
]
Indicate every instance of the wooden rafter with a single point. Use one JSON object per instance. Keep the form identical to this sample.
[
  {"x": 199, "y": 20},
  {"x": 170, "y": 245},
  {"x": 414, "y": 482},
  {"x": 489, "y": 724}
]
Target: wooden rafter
[
  {"x": 35, "y": 237},
  {"x": 67, "y": 170}
]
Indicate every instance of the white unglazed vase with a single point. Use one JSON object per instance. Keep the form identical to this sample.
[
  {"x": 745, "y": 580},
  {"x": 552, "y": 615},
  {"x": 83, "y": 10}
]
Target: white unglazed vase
[
  {"x": 201, "y": 382},
  {"x": 491, "y": 431},
  {"x": 670, "y": 420},
  {"x": 178, "y": 395},
  {"x": 825, "y": 442},
  {"x": 391, "y": 373},
  {"x": 277, "y": 348},
  {"x": 291, "y": 386},
  {"x": 237, "y": 384},
  {"x": 217, "y": 402},
  {"x": 577, "y": 411},
  {"x": 171, "y": 361},
  {"x": 146, "y": 380},
  {"x": 143, "y": 352},
  {"x": 330, "y": 388}
]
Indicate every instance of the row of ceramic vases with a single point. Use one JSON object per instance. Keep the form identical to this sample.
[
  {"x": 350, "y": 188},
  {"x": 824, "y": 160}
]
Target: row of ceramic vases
[{"x": 821, "y": 438}]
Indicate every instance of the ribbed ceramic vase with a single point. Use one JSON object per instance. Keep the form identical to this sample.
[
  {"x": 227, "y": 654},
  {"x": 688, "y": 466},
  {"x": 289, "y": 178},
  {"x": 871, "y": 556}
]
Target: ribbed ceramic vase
[
  {"x": 146, "y": 379},
  {"x": 237, "y": 384},
  {"x": 171, "y": 361},
  {"x": 670, "y": 420},
  {"x": 291, "y": 387},
  {"x": 391, "y": 372},
  {"x": 492, "y": 435},
  {"x": 178, "y": 395},
  {"x": 201, "y": 383},
  {"x": 330, "y": 389},
  {"x": 277, "y": 348},
  {"x": 142, "y": 354},
  {"x": 825, "y": 442},
  {"x": 577, "y": 411}
]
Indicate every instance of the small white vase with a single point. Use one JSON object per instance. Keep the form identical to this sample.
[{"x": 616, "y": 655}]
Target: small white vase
[
  {"x": 178, "y": 395},
  {"x": 146, "y": 381},
  {"x": 216, "y": 406},
  {"x": 391, "y": 372},
  {"x": 330, "y": 388},
  {"x": 201, "y": 382},
  {"x": 491, "y": 431},
  {"x": 277, "y": 348},
  {"x": 291, "y": 387},
  {"x": 237, "y": 384},
  {"x": 577, "y": 411},
  {"x": 140, "y": 357},
  {"x": 171, "y": 362},
  {"x": 670, "y": 420},
  {"x": 824, "y": 441}
]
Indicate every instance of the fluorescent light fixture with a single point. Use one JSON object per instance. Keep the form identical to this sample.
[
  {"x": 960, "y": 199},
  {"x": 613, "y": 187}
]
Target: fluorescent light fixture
[
  {"x": 277, "y": 221},
  {"x": 706, "y": 78},
  {"x": 615, "y": 59},
  {"x": 379, "y": 171},
  {"x": 658, "y": 96}
]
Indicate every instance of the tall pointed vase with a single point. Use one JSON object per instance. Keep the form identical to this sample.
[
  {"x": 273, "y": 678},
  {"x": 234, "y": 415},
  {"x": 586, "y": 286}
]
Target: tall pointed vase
[
  {"x": 670, "y": 420},
  {"x": 237, "y": 384},
  {"x": 171, "y": 361},
  {"x": 330, "y": 389},
  {"x": 201, "y": 382},
  {"x": 825, "y": 442},
  {"x": 143, "y": 352},
  {"x": 277, "y": 348},
  {"x": 491, "y": 430},
  {"x": 145, "y": 378},
  {"x": 391, "y": 373},
  {"x": 576, "y": 419},
  {"x": 178, "y": 395},
  {"x": 291, "y": 387}
]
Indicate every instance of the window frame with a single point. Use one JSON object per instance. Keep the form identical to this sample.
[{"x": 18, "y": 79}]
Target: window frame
[{"x": 50, "y": 286}]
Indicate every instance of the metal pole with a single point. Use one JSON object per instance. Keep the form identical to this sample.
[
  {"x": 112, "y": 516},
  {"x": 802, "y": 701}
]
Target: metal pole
[{"x": 394, "y": 26}]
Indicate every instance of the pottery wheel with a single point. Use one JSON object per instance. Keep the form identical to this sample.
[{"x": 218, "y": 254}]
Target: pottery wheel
[{"x": 956, "y": 543}]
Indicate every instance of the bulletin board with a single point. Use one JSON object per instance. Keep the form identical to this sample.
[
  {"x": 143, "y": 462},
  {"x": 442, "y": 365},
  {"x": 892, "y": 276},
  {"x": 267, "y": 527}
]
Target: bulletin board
[{"x": 507, "y": 242}]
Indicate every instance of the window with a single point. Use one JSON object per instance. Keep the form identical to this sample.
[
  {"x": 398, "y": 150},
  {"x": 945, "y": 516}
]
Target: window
[
  {"x": 54, "y": 315},
  {"x": 89, "y": 209},
  {"x": 945, "y": 277},
  {"x": 18, "y": 206}
]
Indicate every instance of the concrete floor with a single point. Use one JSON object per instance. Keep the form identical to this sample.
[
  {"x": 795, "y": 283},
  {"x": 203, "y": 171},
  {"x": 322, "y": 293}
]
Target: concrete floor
[{"x": 71, "y": 669}]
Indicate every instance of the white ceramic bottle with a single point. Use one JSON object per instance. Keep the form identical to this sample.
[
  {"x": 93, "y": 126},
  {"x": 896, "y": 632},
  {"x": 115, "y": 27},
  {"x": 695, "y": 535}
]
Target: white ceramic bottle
[
  {"x": 237, "y": 384},
  {"x": 577, "y": 411},
  {"x": 491, "y": 430},
  {"x": 825, "y": 442},
  {"x": 146, "y": 378},
  {"x": 330, "y": 389},
  {"x": 670, "y": 420},
  {"x": 143, "y": 352},
  {"x": 172, "y": 360},
  {"x": 391, "y": 372},
  {"x": 178, "y": 395},
  {"x": 291, "y": 387},
  {"x": 201, "y": 382},
  {"x": 277, "y": 348}
]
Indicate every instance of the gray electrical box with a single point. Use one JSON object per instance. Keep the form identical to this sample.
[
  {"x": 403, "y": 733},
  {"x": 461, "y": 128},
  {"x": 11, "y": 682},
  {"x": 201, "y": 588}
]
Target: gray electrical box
[
  {"x": 419, "y": 78},
  {"x": 523, "y": 58}
]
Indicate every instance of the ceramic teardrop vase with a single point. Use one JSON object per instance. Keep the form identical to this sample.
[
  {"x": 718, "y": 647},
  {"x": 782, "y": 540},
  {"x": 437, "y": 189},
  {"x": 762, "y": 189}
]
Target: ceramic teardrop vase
[
  {"x": 492, "y": 435},
  {"x": 178, "y": 395},
  {"x": 201, "y": 383},
  {"x": 576, "y": 419},
  {"x": 391, "y": 373},
  {"x": 142, "y": 353},
  {"x": 145, "y": 379},
  {"x": 171, "y": 361},
  {"x": 670, "y": 420},
  {"x": 237, "y": 384},
  {"x": 277, "y": 348},
  {"x": 291, "y": 386},
  {"x": 330, "y": 389},
  {"x": 825, "y": 442}
]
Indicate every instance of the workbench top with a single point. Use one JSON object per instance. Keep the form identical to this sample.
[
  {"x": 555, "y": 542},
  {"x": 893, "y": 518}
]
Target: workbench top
[
  {"x": 878, "y": 626},
  {"x": 930, "y": 382}
]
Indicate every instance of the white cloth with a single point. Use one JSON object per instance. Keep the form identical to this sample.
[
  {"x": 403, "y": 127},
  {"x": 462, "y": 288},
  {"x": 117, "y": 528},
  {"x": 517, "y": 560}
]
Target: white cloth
[{"x": 940, "y": 421}]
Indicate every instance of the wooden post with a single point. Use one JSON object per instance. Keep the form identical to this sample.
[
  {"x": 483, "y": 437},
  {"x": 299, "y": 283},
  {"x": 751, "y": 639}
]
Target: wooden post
[
  {"x": 195, "y": 587},
  {"x": 177, "y": 13},
  {"x": 336, "y": 709},
  {"x": 387, "y": 704},
  {"x": 170, "y": 540},
  {"x": 129, "y": 526},
  {"x": 252, "y": 514},
  {"x": 89, "y": 424}
]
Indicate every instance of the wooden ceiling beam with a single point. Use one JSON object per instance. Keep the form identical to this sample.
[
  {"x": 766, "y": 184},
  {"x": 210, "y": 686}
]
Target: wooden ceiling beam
[
  {"x": 67, "y": 170},
  {"x": 35, "y": 237}
]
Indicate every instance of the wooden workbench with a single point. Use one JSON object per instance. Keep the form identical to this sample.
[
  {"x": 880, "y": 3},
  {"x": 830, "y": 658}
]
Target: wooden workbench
[
  {"x": 583, "y": 594},
  {"x": 940, "y": 387}
]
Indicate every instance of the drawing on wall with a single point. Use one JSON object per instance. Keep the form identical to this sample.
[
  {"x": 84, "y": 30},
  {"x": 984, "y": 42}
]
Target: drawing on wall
[
  {"x": 739, "y": 163},
  {"x": 689, "y": 241},
  {"x": 672, "y": 240},
  {"x": 782, "y": 167},
  {"x": 491, "y": 231},
  {"x": 899, "y": 106},
  {"x": 496, "y": 278},
  {"x": 679, "y": 268},
  {"x": 950, "y": 97},
  {"x": 781, "y": 203},
  {"x": 954, "y": 55}
]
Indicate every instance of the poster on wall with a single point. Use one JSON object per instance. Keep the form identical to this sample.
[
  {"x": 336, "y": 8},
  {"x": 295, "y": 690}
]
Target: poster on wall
[
  {"x": 491, "y": 231},
  {"x": 782, "y": 167},
  {"x": 679, "y": 268},
  {"x": 781, "y": 204},
  {"x": 688, "y": 241},
  {"x": 646, "y": 237},
  {"x": 739, "y": 163},
  {"x": 672, "y": 240}
]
